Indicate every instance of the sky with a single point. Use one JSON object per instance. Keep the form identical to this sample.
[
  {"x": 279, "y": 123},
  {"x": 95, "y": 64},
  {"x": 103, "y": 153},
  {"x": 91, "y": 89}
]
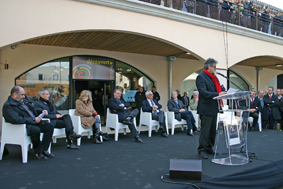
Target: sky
[{"x": 276, "y": 3}]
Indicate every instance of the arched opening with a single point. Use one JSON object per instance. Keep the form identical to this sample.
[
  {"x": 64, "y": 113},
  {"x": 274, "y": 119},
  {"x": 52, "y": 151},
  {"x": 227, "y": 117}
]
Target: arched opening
[{"x": 66, "y": 77}]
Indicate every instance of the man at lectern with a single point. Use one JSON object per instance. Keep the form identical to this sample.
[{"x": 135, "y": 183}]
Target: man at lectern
[{"x": 208, "y": 87}]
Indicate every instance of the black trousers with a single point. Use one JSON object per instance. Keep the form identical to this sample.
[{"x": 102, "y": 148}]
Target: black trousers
[
  {"x": 188, "y": 116},
  {"x": 255, "y": 116},
  {"x": 65, "y": 122},
  {"x": 160, "y": 117},
  {"x": 35, "y": 130},
  {"x": 132, "y": 127},
  {"x": 207, "y": 132}
]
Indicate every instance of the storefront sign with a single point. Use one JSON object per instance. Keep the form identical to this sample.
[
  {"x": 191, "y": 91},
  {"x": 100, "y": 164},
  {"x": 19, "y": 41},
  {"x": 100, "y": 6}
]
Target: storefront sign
[{"x": 91, "y": 67}]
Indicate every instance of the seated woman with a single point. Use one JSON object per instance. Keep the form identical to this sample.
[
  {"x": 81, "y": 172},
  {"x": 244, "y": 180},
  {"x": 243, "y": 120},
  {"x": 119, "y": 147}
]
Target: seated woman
[{"x": 89, "y": 117}]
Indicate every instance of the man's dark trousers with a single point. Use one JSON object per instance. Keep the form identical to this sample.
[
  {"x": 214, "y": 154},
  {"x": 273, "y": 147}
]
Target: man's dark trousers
[
  {"x": 132, "y": 127},
  {"x": 65, "y": 122},
  {"x": 207, "y": 133},
  {"x": 271, "y": 121},
  {"x": 188, "y": 116},
  {"x": 160, "y": 117},
  {"x": 35, "y": 130}
]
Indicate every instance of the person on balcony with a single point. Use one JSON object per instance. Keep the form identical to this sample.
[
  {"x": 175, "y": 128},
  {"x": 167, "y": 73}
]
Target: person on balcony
[
  {"x": 151, "y": 105},
  {"x": 265, "y": 20},
  {"x": 89, "y": 116},
  {"x": 18, "y": 110},
  {"x": 247, "y": 13},
  {"x": 278, "y": 24},
  {"x": 125, "y": 113},
  {"x": 175, "y": 105},
  {"x": 57, "y": 120},
  {"x": 226, "y": 11}
]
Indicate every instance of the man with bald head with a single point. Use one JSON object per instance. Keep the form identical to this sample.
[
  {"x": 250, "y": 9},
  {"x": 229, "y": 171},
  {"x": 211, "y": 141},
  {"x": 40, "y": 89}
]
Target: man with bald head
[{"x": 18, "y": 110}]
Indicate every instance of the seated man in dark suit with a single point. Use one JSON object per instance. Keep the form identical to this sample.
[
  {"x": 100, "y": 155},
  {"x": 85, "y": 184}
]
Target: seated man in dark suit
[
  {"x": 57, "y": 120},
  {"x": 118, "y": 106},
  {"x": 151, "y": 105},
  {"x": 18, "y": 110},
  {"x": 255, "y": 108},
  {"x": 181, "y": 112}
]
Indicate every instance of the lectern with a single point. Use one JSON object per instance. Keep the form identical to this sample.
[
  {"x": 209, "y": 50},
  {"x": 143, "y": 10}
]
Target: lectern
[{"x": 232, "y": 125}]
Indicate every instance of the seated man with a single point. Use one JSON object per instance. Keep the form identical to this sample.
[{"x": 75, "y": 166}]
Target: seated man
[
  {"x": 181, "y": 112},
  {"x": 57, "y": 120},
  {"x": 125, "y": 115},
  {"x": 255, "y": 108},
  {"x": 18, "y": 110},
  {"x": 151, "y": 105}
]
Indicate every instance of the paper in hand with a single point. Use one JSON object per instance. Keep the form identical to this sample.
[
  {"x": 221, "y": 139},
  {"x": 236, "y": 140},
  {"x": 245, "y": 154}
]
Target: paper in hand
[{"x": 42, "y": 115}]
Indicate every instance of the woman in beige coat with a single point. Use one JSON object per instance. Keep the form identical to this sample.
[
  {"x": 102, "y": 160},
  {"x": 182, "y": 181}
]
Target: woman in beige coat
[{"x": 89, "y": 118}]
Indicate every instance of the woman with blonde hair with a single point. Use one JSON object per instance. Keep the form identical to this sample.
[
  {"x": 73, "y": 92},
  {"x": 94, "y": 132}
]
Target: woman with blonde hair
[{"x": 89, "y": 117}]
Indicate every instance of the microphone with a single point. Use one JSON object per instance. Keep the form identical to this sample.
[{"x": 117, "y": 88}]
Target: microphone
[{"x": 229, "y": 80}]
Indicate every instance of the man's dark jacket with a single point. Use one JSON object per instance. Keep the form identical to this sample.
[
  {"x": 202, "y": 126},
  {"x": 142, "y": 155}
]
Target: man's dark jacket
[
  {"x": 41, "y": 105},
  {"x": 14, "y": 113},
  {"x": 174, "y": 107},
  {"x": 147, "y": 108},
  {"x": 207, "y": 91},
  {"x": 116, "y": 109},
  {"x": 273, "y": 106}
]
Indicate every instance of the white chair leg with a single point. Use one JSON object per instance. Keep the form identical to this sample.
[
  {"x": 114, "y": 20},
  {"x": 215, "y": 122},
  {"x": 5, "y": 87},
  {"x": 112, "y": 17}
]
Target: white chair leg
[
  {"x": 125, "y": 133},
  {"x": 2, "y": 150},
  {"x": 172, "y": 129},
  {"x": 116, "y": 134},
  {"x": 24, "y": 153},
  {"x": 149, "y": 131},
  {"x": 78, "y": 141},
  {"x": 54, "y": 139},
  {"x": 182, "y": 127},
  {"x": 139, "y": 128}
]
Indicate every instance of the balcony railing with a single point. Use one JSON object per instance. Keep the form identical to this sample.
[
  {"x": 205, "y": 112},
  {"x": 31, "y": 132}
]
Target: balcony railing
[{"x": 245, "y": 15}]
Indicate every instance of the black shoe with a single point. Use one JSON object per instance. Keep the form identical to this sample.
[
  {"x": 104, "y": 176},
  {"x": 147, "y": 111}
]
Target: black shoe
[
  {"x": 105, "y": 138},
  {"x": 164, "y": 135},
  {"x": 47, "y": 154},
  {"x": 190, "y": 132},
  {"x": 74, "y": 136},
  {"x": 127, "y": 122},
  {"x": 203, "y": 155},
  {"x": 40, "y": 156},
  {"x": 252, "y": 129},
  {"x": 210, "y": 151},
  {"x": 102, "y": 134},
  {"x": 138, "y": 139},
  {"x": 96, "y": 141},
  {"x": 73, "y": 147}
]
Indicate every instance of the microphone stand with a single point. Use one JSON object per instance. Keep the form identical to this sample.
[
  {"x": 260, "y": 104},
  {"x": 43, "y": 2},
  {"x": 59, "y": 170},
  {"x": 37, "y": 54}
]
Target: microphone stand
[{"x": 230, "y": 80}]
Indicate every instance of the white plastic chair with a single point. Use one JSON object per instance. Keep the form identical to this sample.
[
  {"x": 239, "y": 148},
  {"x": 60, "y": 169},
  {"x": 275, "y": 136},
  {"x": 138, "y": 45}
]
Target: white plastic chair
[
  {"x": 112, "y": 121},
  {"x": 146, "y": 119},
  {"x": 57, "y": 133},
  {"x": 173, "y": 122},
  {"x": 251, "y": 119},
  {"x": 15, "y": 134}
]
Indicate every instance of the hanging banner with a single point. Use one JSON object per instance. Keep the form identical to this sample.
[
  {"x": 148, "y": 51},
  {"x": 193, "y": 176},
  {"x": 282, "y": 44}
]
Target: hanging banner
[{"x": 91, "y": 67}]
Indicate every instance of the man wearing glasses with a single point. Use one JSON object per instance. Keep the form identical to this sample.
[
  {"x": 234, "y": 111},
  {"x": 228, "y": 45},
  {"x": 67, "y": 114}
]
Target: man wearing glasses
[
  {"x": 151, "y": 105},
  {"x": 57, "y": 120},
  {"x": 18, "y": 110}
]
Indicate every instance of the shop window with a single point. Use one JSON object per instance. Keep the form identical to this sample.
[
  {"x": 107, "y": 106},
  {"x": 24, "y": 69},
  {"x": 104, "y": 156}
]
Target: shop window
[
  {"x": 128, "y": 79},
  {"x": 55, "y": 77},
  {"x": 238, "y": 80},
  {"x": 52, "y": 76}
]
